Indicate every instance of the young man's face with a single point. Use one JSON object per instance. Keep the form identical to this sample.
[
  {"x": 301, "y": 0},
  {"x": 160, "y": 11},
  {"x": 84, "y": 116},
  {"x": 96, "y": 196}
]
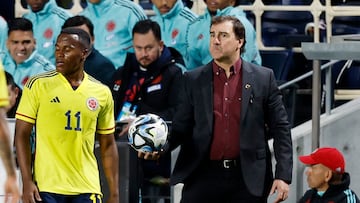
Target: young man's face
[
  {"x": 36, "y": 5},
  {"x": 164, "y": 6},
  {"x": 69, "y": 54},
  {"x": 223, "y": 43},
  {"x": 147, "y": 48},
  {"x": 318, "y": 176},
  {"x": 21, "y": 45}
]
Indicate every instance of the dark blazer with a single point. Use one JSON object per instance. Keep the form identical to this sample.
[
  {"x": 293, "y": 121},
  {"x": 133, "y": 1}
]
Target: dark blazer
[{"x": 263, "y": 116}]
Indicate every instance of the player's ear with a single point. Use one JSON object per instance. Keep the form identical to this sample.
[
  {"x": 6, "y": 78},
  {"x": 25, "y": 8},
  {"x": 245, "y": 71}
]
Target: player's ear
[{"x": 85, "y": 53}]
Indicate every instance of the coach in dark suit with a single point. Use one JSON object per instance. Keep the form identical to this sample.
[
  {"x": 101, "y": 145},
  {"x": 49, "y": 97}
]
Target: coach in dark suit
[{"x": 230, "y": 110}]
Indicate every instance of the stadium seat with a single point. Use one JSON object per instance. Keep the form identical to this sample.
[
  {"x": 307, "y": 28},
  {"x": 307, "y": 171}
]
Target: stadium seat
[
  {"x": 346, "y": 78},
  {"x": 345, "y": 2},
  {"x": 296, "y": 2},
  {"x": 280, "y": 61},
  {"x": 343, "y": 29},
  {"x": 285, "y": 28},
  {"x": 295, "y": 19},
  {"x": 272, "y": 2},
  {"x": 274, "y": 34},
  {"x": 345, "y": 82}
]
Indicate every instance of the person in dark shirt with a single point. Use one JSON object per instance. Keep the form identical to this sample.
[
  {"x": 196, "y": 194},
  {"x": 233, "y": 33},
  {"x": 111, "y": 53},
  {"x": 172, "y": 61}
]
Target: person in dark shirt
[
  {"x": 148, "y": 83},
  {"x": 96, "y": 64},
  {"x": 229, "y": 109}
]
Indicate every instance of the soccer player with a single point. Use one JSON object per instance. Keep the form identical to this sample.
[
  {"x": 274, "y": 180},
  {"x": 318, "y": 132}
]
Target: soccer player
[
  {"x": 68, "y": 108},
  {"x": 11, "y": 187}
]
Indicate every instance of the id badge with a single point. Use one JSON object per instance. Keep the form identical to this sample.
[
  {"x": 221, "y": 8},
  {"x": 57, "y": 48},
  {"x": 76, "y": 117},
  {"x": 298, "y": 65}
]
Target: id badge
[{"x": 127, "y": 112}]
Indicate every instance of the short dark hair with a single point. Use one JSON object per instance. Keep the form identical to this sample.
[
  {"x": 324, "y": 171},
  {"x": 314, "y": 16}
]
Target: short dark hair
[
  {"x": 10, "y": 80},
  {"x": 22, "y": 24},
  {"x": 144, "y": 26},
  {"x": 78, "y": 21},
  {"x": 238, "y": 27},
  {"x": 84, "y": 37}
]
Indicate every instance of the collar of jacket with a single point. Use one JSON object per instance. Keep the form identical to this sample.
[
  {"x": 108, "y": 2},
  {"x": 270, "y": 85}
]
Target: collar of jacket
[
  {"x": 334, "y": 189},
  {"x": 25, "y": 63},
  {"x": 100, "y": 8}
]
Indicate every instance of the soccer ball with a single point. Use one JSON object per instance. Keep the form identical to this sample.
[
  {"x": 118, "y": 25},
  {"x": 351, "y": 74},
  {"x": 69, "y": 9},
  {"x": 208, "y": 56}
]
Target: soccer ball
[{"x": 147, "y": 133}]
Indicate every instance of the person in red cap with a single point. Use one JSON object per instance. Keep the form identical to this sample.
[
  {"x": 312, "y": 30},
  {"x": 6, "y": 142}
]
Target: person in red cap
[{"x": 327, "y": 178}]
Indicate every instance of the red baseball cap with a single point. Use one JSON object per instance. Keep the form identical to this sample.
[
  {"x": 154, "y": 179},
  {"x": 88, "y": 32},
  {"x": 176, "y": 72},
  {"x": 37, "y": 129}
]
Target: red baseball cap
[{"x": 327, "y": 156}]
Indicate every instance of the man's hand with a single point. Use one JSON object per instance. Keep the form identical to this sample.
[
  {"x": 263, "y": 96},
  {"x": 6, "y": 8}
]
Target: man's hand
[
  {"x": 282, "y": 190},
  {"x": 155, "y": 155},
  {"x": 125, "y": 126},
  {"x": 11, "y": 190},
  {"x": 113, "y": 198},
  {"x": 30, "y": 192}
]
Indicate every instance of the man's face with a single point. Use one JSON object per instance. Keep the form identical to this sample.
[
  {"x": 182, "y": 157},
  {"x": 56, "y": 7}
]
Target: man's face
[
  {"x": 223, "y": 43},
  {"x": 214, "y": 5},
  {"x": 36, "y": 5},
  {"x": 69, "y": 54},
  {"x": 318, "y": 176},
  {"x": 147, "y": 48},
  {"x": 164, "y": 6},
  {"x": 21, "y": 45}
]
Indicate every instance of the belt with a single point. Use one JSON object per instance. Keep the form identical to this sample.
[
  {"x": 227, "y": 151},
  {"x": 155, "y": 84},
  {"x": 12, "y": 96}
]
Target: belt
[{"x": 225, "y": 163}]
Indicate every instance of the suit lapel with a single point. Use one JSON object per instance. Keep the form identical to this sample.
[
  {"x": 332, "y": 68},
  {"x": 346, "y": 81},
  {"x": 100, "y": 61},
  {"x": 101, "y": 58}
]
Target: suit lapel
[
  {"x": 207, "y": 94},
  {"x": 248, "y": 81}
]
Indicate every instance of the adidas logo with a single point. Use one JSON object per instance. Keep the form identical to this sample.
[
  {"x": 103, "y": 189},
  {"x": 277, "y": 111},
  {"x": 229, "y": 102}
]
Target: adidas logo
[{"x": 55, "y": 100}]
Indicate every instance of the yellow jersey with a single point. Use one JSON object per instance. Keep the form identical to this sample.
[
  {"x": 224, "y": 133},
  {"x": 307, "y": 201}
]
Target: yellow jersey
[
  {"x": 4, "y": 96},
  {"x": 66, "y": 121}
]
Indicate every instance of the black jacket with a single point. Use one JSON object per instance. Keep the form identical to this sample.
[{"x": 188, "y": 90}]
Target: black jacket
[
  {"x": 334, "y": 194},
  {"x": 159, "y": 92},
  {"x": 261, "y": 104},
  {"x": 100, "y": 67}
]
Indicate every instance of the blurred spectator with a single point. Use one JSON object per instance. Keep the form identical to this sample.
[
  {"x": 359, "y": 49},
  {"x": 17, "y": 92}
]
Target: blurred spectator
[
  {"x": 173, "y": 18},
  {"x": 3, "y": 35},
  {"x": 22, "y": 59},
  {"x": 114, "y": 21},
  {"x": 198, "y": 34},
  {"x": 47, "y": 18},
  {"x": 14, "y": 95},
  {"x": 327, "y": 178},
  {"x": 96, "y": 65}
]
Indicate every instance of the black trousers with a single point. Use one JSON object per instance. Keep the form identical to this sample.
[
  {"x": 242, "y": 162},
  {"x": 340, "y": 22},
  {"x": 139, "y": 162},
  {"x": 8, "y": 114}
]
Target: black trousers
[{"x": 217, "y": 183}]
